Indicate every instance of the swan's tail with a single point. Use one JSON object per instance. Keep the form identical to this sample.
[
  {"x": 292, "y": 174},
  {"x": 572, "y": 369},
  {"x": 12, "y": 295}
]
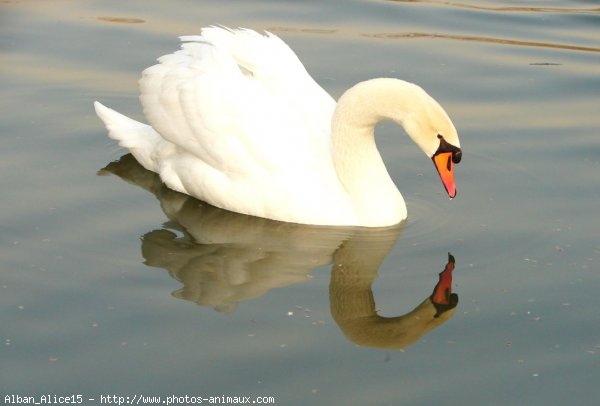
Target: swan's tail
[{"x": 141, "y": 139}]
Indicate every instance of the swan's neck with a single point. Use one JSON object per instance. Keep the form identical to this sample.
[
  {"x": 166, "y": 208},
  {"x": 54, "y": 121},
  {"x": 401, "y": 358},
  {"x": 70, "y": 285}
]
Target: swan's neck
[{"x": 358, "y": 163}]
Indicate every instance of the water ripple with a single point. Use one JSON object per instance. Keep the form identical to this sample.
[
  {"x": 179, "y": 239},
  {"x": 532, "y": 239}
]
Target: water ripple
[
  {"x": 519, "y": 9},
  {"x": 475, "y": 38}
]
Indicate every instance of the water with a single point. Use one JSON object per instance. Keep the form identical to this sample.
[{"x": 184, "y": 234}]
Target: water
[{"x": 113, "y": 287}]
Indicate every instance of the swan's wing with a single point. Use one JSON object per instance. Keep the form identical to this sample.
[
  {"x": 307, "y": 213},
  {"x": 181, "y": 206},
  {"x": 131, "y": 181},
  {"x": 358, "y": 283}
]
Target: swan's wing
[
  {"x": 200, "y": 99},
  {"x": 245, "y": 140},
  {"x": 271, "y": 62}
]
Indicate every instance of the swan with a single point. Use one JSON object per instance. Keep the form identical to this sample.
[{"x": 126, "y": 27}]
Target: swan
[{"x": 236, "y": 120}]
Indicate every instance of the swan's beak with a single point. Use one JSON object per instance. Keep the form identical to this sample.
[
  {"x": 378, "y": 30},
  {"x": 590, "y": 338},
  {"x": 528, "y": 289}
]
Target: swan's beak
[{"x": 445, "y": 167}]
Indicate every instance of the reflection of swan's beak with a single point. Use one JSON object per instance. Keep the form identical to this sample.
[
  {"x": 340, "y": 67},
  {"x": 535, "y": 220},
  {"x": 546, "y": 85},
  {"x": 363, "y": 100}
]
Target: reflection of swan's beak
[
  {"x": 442, "y": 297},
  {"x": 445, "y": 167}
]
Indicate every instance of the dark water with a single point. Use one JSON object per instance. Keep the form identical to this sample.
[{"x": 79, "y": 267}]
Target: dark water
[{"x": 113, "y": 285}]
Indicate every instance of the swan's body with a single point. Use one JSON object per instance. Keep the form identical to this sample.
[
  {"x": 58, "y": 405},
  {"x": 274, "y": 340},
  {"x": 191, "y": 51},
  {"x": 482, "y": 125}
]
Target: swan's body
[{"x": 235, "y": 120}]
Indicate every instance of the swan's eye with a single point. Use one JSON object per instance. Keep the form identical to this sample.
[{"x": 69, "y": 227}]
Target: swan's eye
[{"x": 447, "y": 147}]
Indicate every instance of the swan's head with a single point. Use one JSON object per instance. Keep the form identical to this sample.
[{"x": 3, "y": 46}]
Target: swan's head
[
  {"x": 431, "y": 129},
  {"x": 423, "y": 119}
]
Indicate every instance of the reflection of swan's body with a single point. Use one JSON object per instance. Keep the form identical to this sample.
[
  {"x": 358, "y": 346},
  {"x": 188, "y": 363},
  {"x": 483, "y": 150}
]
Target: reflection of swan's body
[
  {"x": 236, "y": 121},
  {"x": 223, "y": 258}
]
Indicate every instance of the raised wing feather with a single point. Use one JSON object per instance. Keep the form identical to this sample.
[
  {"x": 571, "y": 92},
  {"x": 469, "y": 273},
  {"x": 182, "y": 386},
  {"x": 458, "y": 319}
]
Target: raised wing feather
[
  {"x": 273, "y": 64},
  {"x": 245, "y": 126},
  {"x": 237, "y": 120}
]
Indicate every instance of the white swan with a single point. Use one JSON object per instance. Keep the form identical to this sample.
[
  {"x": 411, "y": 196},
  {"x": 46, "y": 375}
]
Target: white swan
[{"x": 236, "y": 121}]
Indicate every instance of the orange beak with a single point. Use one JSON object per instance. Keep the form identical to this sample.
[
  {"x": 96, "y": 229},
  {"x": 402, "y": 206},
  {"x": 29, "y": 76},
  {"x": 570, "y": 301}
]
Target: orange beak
[{"x": 445, "y": 167}]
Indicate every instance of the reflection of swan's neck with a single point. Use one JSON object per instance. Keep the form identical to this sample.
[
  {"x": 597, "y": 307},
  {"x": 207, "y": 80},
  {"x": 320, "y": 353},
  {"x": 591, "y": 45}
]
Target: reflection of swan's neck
[
  {"x": 353, "y": 305},
  {"x": 357, "y": 160}
]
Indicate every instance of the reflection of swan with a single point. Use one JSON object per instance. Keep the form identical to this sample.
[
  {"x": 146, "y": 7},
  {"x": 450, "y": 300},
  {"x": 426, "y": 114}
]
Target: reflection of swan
[
  {"x": 237, "y": 121},
  {"x": 353, "y": 305},
  {"x": 223, "y": 258}
]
